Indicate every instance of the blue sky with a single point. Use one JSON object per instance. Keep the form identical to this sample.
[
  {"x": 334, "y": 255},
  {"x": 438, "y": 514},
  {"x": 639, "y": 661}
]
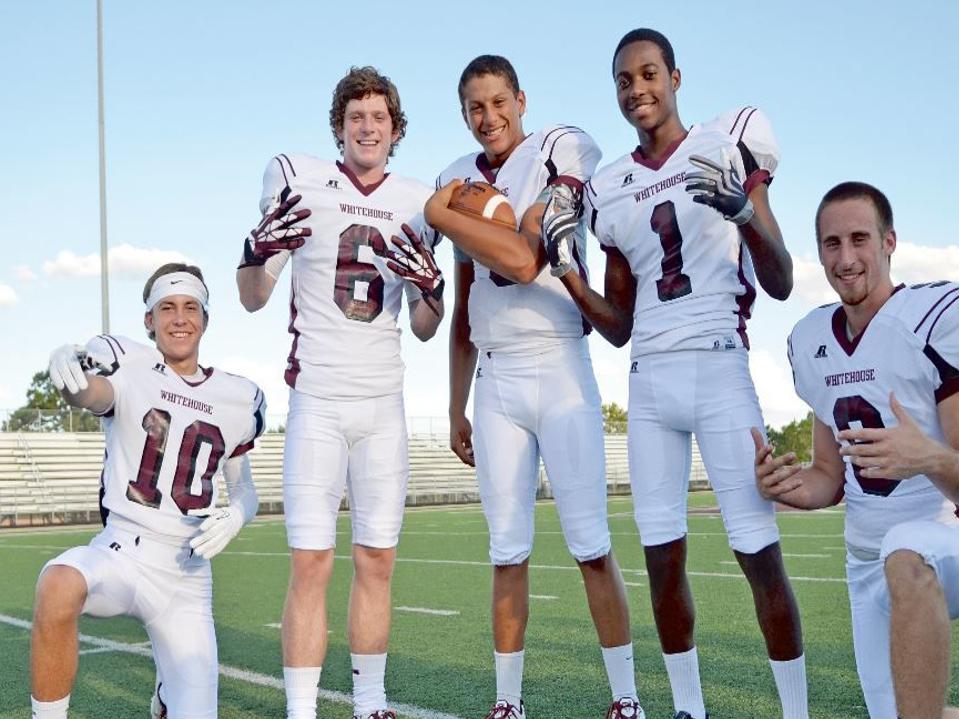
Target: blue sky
[{"x": 201, "y": 95}]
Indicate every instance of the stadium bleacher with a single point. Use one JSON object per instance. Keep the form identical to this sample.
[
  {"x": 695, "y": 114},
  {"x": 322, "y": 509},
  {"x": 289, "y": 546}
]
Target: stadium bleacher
[{"x": 53, "y": 477}]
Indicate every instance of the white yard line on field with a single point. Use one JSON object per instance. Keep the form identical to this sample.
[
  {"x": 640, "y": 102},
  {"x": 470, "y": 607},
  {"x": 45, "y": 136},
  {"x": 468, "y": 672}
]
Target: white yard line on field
[
  {"x": 277, "y": 625},
  {"x": 427, "y": 610},
  {"x": 263, "y": 680},
  {"x": 52, "y": 547},
  {"x": 100, "y": 650}
]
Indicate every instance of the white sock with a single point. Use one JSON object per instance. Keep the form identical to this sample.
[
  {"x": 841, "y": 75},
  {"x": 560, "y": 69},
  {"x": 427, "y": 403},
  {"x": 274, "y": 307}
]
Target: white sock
[
  {"x": 302, "y": 686},
  {"x": 683, "y": 670},
  {"x": 50, "y": 710},
  {"x": 509, "y": 676},
  {"x": 790, "y": 679},
  {"x": 369, "y": 690},
  {"x": 620, "y": 671}
]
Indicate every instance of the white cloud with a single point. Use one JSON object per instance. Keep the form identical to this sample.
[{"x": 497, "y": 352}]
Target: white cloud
[
  {"x": 67, "y": 264},
  {"x": 125, "y": 261},
  {"x": 24, "y": 273},
  {"x": 8, "y": 296},
  {"x": 809, "y": 281},
  {"x": 772, "y": 377},
  {"x": 918, "y": 263},
  {"x": 911, "y": 264}
]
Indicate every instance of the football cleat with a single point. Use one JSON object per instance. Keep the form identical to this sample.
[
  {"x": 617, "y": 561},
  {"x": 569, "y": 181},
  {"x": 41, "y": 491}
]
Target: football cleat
[
  {"x": 685, "y": 715},
  {"x": 157, "y": 707},
  {"x": 502, "y": 709},
  {"x": 625, "y": 708},
  {"x": 378, "y": 714}
]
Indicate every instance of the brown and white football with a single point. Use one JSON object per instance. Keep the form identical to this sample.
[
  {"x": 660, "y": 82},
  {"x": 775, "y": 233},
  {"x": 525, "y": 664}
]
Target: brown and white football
[{"x": 483, "y": 201}]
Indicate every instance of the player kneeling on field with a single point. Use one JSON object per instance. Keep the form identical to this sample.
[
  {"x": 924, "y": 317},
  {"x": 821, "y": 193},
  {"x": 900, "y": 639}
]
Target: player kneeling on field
[
  {"x": 879, "y": 369},
  {"x": 171, "y": 426}
]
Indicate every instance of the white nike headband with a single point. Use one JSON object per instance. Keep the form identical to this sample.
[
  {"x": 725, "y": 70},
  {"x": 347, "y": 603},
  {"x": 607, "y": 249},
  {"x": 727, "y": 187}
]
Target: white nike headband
[{"x": 178, "y": 283}]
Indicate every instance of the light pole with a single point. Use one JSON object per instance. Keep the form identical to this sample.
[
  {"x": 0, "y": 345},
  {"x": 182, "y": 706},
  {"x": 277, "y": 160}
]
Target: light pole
[{"x": 104, "y": 262}]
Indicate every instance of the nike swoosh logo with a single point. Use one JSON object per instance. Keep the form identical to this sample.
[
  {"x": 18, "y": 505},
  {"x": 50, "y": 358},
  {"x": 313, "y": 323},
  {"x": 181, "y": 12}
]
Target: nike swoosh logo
[{"x": 175, "y": 282}]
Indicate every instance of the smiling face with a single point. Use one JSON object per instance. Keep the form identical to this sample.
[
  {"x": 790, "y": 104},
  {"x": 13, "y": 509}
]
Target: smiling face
[
  {"x": 178, "y": 322},
  {"x": 645, "y": 87},
  {"x": 367, "y": 133},
  {"x": 855, "y": 252},
  {"x": 494, "y": 114}
]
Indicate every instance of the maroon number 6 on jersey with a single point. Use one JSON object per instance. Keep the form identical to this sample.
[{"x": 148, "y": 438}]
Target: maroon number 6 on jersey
[
  {"x": 857, "y": 409},
  {"x": 352, "y": 274}
]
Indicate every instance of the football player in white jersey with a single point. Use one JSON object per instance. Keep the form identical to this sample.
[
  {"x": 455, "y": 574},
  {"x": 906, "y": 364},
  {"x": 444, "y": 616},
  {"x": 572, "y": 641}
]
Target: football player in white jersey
[
  {"x": 683, "y": 219},
  {"x": 172, "y": 425},
  {"x": 346, "y": 424},
  {"x": 879, "y": 369},
  {"x": 536, "y": 395}
]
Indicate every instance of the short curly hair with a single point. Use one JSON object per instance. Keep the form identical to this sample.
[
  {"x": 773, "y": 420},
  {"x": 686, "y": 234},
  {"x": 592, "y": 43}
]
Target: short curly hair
[{"x": 361, "y": 82}]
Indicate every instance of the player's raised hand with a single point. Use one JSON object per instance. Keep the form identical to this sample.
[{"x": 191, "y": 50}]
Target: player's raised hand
[
  {"x": 719, "y": 187},
  {"x": 223, "y": 524},
  {"x": 558, "y": 228},
  {"x": 461, "y": 439},
  {"x": 775, "y": 476},
  {"x": 277, "y": 230},
  {"x": 67, "y": 368},
  {"x": 898, "y": 452},
  {"x": 414, "y": 262}
]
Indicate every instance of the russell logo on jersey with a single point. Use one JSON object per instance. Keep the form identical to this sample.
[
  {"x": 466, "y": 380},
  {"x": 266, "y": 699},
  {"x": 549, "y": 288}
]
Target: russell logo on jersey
[{"x": 726, "y": 343}]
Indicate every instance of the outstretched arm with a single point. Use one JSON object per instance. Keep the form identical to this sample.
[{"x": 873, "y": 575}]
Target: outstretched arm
[
  {"x": 612, "y": 313},
  {"x": 68, "y": 367},
  {"x": 783, "y": 479}
]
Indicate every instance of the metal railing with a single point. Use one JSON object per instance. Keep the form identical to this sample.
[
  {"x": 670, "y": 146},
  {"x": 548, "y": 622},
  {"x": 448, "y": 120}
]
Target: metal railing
[{"x": 28, "y": 419}]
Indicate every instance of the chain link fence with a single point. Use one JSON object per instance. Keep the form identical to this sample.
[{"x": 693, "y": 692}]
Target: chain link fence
[{"x": 27, "y": 419}]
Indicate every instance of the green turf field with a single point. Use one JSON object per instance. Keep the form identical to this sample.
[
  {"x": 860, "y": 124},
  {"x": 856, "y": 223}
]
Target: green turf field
[{"x": 441, "y": 663}]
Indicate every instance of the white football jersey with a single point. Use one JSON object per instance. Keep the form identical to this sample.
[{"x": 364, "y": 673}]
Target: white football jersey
[
  {"x": 695, "y": 284},
  {"x": 344, "y": 301},
  {"x": 911, "y": 347},
  {"x": 167, "y": 437},
  {"x": 524, "y": 319}
]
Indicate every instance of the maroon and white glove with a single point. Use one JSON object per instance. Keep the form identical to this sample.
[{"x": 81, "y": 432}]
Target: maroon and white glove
[
  {"x": 276, "y": 231},
  {"x": 414, "y": 262}
]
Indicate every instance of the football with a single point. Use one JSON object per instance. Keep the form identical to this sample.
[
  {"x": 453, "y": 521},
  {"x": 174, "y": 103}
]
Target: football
[{"x": 482, "y": 200}]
